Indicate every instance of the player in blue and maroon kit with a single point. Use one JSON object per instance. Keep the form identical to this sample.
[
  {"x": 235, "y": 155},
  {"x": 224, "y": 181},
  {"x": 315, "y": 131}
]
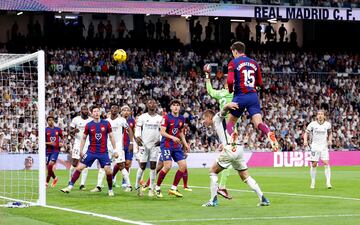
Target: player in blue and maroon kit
[
  {"x": 173, "y": 139},
  {"x": 98, "y": 131},
  {"x": 126, "y": 113},
  {"x": 244, "y": 76},
  {"x": 53, "y": 145}
]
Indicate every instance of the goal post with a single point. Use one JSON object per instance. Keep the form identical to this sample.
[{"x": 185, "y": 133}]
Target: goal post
[{"x": 22, "y": 128}]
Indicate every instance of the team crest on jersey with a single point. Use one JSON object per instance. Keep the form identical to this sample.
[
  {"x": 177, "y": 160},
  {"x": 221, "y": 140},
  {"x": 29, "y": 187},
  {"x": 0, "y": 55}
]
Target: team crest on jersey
[
  {"x": 56, "y": 133},
  {"x": 98, "y": 136},
  {"x": 180, "y": 123},
  {"x": 52, "y": 139},
  {"x": 174, "y": 131},
  {"x": 102, "y": 128}
]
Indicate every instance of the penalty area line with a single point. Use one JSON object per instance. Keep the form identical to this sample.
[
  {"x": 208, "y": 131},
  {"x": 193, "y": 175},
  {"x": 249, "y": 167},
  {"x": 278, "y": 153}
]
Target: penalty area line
[
  {"x": 98, "y": 215},
  {"x": 254, "y": 218},
  {"x": 290, "y": 194}
]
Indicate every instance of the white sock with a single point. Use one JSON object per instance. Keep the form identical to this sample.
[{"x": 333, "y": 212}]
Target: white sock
[
  {"x": 213, "y": 186},
  {"x": 139, "y": 174},
  {"x": 327, "y": 174},
  {"x": 254, "y": 186},
  {"x": 84, "y": 174},
  {"x": 72, "y": 169},
  {"x": 313, "y": 174},
  {"x": 152, "y": 179},
  {"x": 101, "y": 175},
  {"x": 125, "y": 175}
]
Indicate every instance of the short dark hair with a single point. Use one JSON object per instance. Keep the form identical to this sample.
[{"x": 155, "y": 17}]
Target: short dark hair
[
  {"x": 238, "y": 46},
  {"x": 175, "y": 101},
  {"x": 114, "y": 104},
  {"x": 94, "y": 107},
  {"x": 50, "y": 116}
]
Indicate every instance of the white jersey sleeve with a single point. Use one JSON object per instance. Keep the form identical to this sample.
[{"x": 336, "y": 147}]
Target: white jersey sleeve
[
  {"x": 139, "y": 124},
  {"x": 220, "y": 128}
]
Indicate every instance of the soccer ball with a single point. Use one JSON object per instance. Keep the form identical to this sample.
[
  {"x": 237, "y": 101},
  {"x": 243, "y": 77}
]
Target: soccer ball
[{"x": 119, "y": 56}]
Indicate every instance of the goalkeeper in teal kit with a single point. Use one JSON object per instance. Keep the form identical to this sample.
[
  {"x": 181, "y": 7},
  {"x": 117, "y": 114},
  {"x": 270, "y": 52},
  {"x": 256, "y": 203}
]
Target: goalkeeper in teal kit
[{"x": 223, "y": 97}]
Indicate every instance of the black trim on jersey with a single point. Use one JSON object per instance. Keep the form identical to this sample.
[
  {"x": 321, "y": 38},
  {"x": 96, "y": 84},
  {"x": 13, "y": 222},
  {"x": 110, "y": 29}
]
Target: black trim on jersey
[{"x": 224, "y": 127}]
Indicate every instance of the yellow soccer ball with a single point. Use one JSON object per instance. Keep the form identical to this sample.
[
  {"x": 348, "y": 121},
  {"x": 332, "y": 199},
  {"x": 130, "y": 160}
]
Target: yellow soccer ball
[{"x": 120, "y": 56}]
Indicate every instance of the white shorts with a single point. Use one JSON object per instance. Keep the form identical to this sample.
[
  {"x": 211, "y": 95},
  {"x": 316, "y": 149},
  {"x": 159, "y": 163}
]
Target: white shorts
[
  {"x": 316, "y": 155},
  {"x": 228, "y": 158},
  {"x": 120, "y": 151},
  {"x": 148, "y": 154},
  {"x": 75, "y": 153}
]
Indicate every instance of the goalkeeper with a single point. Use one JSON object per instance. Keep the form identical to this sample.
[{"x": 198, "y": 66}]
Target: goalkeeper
[{"x": 223, "y": 97}]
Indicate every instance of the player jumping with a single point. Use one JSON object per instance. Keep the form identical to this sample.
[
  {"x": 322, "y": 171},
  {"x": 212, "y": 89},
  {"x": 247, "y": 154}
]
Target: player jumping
[
  {"x": 98, "y": 130},
  {"x": 244, "y": 76},
  {"x": 321, "y": 140},
  {"x": 230, "y": 155}
]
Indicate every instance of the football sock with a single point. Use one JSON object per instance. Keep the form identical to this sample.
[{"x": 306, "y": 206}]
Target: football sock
[
  {"x": 101, "y": 175},
  {"x": 109, "y": 181},
  {"x": 264, "y": 128},
  {"x": 254, "y": 186},
  {"x": 84, "y": 174},
  {"x": 224, "y": 176},
  {"x": 213, "y": 186},
  {"x": 152, "y": 179},
  {"x": 125, "y": 175},
  {"x": 327, "y": 174},
  {"x": 72, "y": 169},
  {"x": 75, "y": 177},
  {"x": 177, "y": 178},
  {"x": 139, "y": 174},
  {"x": 161, "y": 177},
  {"x": 312, "y": 174},
  {"x": 185, "y": 178}
]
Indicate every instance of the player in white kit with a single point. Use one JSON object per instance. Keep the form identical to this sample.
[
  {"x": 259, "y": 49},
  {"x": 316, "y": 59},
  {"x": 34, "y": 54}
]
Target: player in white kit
[
  {"x": 147, "y": 136},
  {"x": 320, "y": 131},
  {"x": 231, "y": 154},
  {"x": 77, "y": 127},
  {"x": 118, "y": 125}
]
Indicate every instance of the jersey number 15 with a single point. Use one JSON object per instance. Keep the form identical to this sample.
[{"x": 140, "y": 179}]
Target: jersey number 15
[{"x": 249, "y": 80}]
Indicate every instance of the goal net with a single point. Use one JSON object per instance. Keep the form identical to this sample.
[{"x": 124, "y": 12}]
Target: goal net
[{"x": 22, "y": 129}]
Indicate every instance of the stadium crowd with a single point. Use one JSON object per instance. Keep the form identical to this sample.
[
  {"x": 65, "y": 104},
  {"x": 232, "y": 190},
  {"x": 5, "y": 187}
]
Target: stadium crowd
[{"x": 290, "y": 96}]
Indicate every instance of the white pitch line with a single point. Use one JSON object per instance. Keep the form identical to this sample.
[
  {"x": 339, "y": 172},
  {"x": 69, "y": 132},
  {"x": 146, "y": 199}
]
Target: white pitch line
[
  {"x": 99, "y": 215},
  {"x": 291, "y": 194},
  {"x": 255, "y": 218},
  {"x": 83, "y": 212}
]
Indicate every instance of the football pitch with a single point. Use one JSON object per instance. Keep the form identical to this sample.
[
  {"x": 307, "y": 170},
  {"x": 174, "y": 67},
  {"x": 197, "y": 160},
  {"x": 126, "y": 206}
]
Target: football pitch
[{"x": 292, "y": 201}]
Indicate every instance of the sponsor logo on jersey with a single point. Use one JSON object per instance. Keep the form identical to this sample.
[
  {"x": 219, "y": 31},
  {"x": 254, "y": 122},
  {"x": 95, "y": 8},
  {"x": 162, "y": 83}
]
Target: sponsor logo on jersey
[
  {"x": 98, "y": 136},
  {"x": 52, "y": 139}
]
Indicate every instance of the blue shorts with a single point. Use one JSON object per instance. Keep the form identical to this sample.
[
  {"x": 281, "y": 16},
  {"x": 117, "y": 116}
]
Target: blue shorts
[
  {"x": 249, "y": 101},
  {"x": 169, "y": 153},
  {"x": 128, "y": 155},
  {"x": 89, "y": 158},
  {"x": 51, "y": 157}
]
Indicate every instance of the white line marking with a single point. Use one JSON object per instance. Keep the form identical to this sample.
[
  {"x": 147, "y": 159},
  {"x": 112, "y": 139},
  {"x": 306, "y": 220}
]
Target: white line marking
[
  {"x": 290, "y": 194},
  {"x": 255, "y": 218},
  {"x": 82, "y": 212},
  {"x": 99, "y": 215}
]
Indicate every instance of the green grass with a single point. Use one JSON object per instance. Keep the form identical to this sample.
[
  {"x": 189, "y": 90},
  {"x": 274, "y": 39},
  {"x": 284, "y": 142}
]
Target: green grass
[{"x": 273, "y": 181}]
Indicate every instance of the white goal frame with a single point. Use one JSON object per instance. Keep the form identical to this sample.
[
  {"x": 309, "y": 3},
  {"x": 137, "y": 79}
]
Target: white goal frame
[{"x": 40, "y": 57}]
